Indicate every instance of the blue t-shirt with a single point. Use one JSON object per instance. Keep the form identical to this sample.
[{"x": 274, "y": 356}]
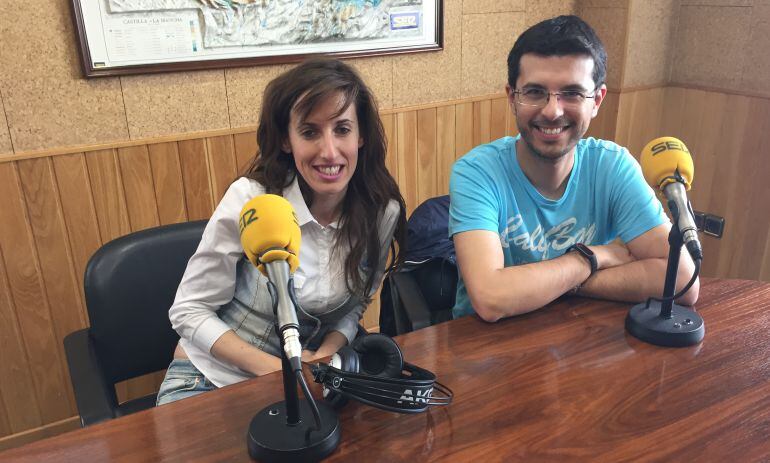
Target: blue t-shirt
[{"x": 606, "y": 197}]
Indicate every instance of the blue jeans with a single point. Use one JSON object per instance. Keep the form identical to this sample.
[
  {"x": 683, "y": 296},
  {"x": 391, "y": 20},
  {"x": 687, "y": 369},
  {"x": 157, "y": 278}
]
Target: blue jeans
[{"x": 182, "y": 380}]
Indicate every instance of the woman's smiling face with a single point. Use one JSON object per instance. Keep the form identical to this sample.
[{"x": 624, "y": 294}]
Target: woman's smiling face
[{"x": 325, "y": 147}]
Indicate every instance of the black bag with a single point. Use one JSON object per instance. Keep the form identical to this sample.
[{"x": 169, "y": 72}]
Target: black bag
[{"x": 422, "y": 292}]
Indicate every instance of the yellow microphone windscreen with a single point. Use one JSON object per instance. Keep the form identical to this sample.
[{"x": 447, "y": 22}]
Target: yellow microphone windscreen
[
  {"x": 662, "y": 157},
  {"x": 270, "y": 231}
]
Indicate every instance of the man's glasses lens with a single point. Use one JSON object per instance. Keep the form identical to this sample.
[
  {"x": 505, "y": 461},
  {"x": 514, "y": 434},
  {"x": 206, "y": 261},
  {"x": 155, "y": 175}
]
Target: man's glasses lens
[{"x": 539, "y": 97}]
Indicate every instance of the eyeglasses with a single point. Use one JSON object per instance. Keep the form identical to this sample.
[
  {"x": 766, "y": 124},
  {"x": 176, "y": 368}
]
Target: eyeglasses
[{"x": 538, "y": 97}]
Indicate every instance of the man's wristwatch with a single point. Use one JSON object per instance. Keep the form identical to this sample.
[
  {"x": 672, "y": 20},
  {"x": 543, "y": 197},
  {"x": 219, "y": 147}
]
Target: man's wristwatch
[{"x": 586, "y": 252}]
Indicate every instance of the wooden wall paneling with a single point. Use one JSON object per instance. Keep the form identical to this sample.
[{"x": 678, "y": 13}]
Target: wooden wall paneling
[
  {"x": 463, "y": 129},
  {"x": 604, "y": 124},
  {"x": 645, "y": 120},
  {"x": 221, "y": 156},
  {"x": 707, "y": 149},
  {"x": 108, "y": 196},
  {"x": 510, "y": 120},
  {"x": 482, "y": 113},
  {"x": 51, "y": 239},
  {"x": 195, "y": 174},
  {"x": 754, "y": 205},
  {"x": 48, "y": 430},
  {"x": 20, "y": 409},
  {"x": 626, "y": 110},
  {"x": 426, "y": 155},
  {"x": 671, "y": 120},
  {"x": 79, "y": 212},
  {"x": 245, "y": 150},
  {"x": 445, "y": 146},
  {"x": 695, "y": 116},
  {"x": 704, "y": 142},
  {"x": 168, "y": 185},
  {"x": 5, "y": 427},
  {"x": 497, "y": 122},
  {"x": 26, "y": 290},
  {"x": 138, "y": 186},
  {"x": 391, "y": 135},
  {"x": 764, "y": 272},
  {"x": 406, "y": 126},
  {"x": 733, "y": 189},
  {"x": 690, "y": 119}
]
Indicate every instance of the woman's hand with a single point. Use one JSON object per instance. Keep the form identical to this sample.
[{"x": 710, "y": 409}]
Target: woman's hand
[
  {"x": 308, "y": 355},
  {"x": 235, "y": 351}
]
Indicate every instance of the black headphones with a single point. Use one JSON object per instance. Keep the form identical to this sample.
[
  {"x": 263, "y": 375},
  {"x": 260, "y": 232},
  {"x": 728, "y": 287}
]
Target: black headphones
[{"x": 372, "y": 370}]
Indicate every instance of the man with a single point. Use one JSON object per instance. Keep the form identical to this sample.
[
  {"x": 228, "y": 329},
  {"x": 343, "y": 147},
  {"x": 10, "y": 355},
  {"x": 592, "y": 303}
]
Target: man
[{"x": 549, "y": 213}]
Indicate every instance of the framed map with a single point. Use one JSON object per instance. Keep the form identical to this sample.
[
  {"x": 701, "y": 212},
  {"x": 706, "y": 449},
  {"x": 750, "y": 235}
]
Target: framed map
[{"x": 119, "y": 37}]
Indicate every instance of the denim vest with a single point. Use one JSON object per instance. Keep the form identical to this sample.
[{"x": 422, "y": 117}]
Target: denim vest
[{"x": 250, "y": 313}]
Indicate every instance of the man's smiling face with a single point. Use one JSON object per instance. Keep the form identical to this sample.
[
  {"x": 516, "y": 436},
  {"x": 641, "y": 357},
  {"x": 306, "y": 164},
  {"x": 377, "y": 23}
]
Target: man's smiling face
[{"x": 553, "y": 131}]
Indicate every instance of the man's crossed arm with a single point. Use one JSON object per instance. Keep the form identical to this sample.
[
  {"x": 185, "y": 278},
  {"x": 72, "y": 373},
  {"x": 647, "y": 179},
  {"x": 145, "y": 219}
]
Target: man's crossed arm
[{"x": 629, "y": 273}]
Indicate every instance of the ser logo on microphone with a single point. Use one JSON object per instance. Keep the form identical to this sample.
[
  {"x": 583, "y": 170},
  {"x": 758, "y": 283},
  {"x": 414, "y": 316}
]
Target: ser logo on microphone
[
  {"x": 247, "y": 218},
  {"x": 668, "y": 145}
]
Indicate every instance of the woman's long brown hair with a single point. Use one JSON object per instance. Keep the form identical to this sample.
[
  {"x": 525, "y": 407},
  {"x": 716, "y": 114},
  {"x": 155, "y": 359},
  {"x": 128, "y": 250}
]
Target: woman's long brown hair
[{"x": 371, "y": 187}]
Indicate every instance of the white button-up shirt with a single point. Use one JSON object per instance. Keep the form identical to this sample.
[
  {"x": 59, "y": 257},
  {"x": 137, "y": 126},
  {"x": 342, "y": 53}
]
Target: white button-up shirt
[{"x": 209, "y": 281}]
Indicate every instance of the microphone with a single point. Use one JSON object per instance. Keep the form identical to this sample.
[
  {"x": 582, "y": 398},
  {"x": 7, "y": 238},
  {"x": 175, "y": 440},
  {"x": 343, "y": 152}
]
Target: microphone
[
  {"x": 271, "y": 240},
  {"x": 667, "y": 165}
]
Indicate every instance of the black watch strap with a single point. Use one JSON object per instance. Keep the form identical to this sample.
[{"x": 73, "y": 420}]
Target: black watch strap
[{"x": 586, "y": 252}]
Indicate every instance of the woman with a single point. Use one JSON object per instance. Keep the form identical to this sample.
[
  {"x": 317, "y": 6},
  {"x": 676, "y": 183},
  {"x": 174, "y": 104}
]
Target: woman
[{"x": 322, "y": 147}]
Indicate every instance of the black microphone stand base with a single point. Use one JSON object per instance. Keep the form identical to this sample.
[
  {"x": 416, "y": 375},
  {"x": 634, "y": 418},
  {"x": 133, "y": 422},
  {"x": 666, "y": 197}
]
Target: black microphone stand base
[
  {"x": 684, "y": 328},
  {"x": 272, "y": 439}
]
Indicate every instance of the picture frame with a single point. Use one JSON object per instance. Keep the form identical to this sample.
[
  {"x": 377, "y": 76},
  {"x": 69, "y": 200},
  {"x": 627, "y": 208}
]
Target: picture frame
[{"x": 123, "y": 37}]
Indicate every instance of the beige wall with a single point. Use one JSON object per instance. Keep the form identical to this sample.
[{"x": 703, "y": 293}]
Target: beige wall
[
  {"x": 719, "y": 44},
  {"x": 716, "y": 44},
  {"x": 723, "y": 44},
  {"x": 47, "y": 104}
]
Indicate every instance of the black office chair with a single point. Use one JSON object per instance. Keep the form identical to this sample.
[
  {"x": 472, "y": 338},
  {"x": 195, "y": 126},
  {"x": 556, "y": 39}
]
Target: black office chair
[{"x": 130, "y": 284}]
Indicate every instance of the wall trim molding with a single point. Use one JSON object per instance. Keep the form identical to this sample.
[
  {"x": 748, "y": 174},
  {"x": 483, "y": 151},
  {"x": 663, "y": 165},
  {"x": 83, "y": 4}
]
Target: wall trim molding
[
  {"x": 706, "y": 88},
  {"x": 31, "y": 435}
]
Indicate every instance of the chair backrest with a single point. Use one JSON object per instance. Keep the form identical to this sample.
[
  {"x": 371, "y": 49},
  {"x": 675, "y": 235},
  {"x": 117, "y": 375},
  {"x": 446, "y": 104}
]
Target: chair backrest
[
  {"x": 422, "y": 292},
  {"x": 130, "y": 284},
  {"x": 437, "y": 280},
  {"x": 428, "y": 232}
]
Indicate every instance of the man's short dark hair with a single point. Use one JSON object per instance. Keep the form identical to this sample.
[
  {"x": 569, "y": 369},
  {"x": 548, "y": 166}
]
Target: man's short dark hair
[{"x": 559, "y": 36}]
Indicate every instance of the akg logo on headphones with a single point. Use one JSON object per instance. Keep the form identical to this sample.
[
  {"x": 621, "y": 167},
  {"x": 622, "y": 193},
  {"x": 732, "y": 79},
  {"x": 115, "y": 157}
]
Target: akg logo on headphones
[{"x": 421, "y": 396}]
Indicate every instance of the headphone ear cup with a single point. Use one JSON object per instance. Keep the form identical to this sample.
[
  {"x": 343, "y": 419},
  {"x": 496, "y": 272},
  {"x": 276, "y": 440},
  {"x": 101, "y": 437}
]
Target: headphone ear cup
[
  {"x": 378, "y": 355},
  {"x": 346, "y": 359}
]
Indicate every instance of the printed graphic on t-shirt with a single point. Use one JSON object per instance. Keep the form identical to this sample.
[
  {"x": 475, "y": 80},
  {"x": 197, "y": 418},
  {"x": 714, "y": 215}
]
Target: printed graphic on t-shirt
[{"x": 544, "y": 242}]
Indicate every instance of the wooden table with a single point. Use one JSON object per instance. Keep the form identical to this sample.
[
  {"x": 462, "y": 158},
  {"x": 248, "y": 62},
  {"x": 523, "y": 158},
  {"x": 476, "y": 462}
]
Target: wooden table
[{"x": 565, "y": 383}]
